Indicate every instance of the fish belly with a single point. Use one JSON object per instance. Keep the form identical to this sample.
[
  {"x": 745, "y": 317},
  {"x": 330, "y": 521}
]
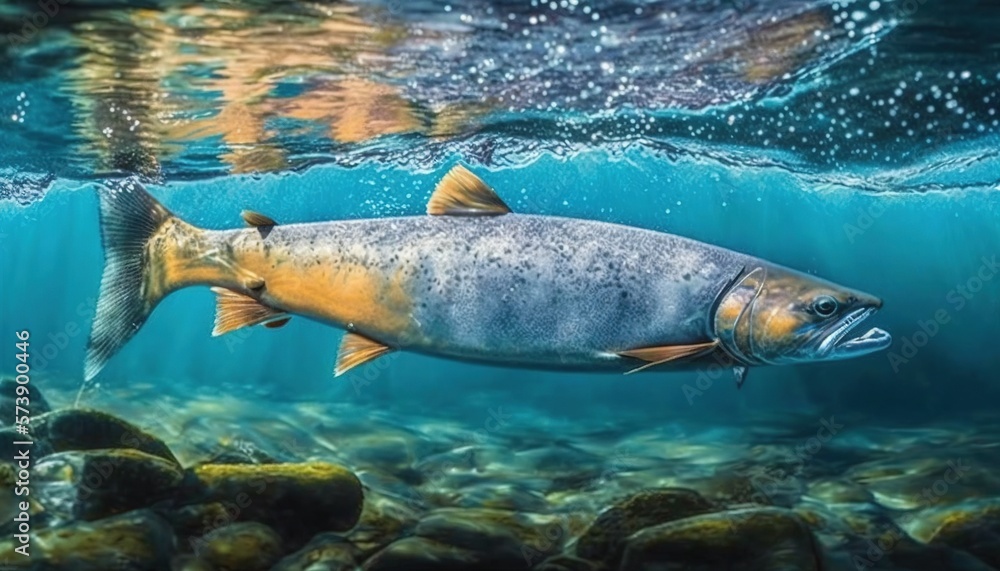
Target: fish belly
[{"x": 515, "y": 289}]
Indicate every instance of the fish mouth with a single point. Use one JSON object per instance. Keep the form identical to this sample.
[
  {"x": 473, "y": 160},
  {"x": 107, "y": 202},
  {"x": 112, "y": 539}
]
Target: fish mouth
[{"x": 836, "y": 345}]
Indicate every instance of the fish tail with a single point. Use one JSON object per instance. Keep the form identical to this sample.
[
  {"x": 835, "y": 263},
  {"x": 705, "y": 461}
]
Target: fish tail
[{"x": 130, "y": 220}]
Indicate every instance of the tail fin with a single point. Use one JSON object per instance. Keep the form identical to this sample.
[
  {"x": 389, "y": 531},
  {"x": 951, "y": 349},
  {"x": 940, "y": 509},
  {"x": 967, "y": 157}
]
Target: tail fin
[{"x": 129, "y": 218}]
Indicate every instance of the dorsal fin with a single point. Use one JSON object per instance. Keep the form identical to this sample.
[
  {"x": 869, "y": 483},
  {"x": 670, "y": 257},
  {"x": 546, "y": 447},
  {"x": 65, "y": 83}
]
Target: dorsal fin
[
  {"x": 357, "y": 350},
  {"x": 256, "y": 219},
  {"x": 461, "y": 193},
  {"x": 235, "y": 310}
]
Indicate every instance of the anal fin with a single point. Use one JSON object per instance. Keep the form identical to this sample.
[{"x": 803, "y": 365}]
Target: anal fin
[
  {"x": 659, "y": 355},
  {"x": 357, "y": 350},
  {"x": 234, "y": 311},
  {"x": 278, "y": 323}
]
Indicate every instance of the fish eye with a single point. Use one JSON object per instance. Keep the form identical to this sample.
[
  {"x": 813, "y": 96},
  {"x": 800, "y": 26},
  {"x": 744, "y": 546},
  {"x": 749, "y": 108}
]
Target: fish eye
[{"x": 825, "y": 305}]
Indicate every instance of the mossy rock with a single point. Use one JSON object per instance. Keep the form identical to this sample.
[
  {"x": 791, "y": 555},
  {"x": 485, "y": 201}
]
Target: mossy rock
[
  {"x": 384, "y": 519},
  {"x": 756, "y": 539},
  {"x": 9, "y": 450},
  {"x": 570, "y": 563},
  {"x": 975, "y": 530},
  {"x": 193, "y": 521},
  {"x": 93, "y": 484},
  {"x": 831, "y": 491},
  {"x": 137, "y": 541},
  {"x": 83, "y": 429},
  {"x": 604, "y": 540},
  {"x": 298, "y": 500},
  {"x": 8, "y": 399},
  {"x": 520, "y": 540},
  {"x": 421, "y": 554},
  {"x": 326, "y": 552},
  {"x": 189, "y": 563},
  {"x": 893, "y": 550},
  {"x": 248, "y": 546},
  {"x": 753, "y": 484},
  {"x": 10, "y": 502}
]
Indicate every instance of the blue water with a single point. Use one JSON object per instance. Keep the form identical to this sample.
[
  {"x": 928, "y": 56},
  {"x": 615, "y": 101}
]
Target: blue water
[
  {"x": 856, "y": 141},
  {"x": 903, "y": 246}
]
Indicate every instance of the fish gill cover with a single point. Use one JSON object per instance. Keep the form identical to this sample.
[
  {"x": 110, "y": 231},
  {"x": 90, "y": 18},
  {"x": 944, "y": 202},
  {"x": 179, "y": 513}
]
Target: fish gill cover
[{"x": 856, "y": 141}]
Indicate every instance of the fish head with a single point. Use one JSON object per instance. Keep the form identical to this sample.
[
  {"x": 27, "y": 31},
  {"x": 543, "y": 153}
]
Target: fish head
[{"x": 772, "y": 315}]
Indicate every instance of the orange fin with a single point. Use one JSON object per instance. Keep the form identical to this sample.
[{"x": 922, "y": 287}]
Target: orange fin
[
  {"x": 251, "y": 281},
  {"x": 357, "y": 350},
  {"x": 256, "y": 219},
  {"x": 235, "y": 310},
  {"x": 461, "y": 193},
  {"x": 263, "y": 224},
  {"x": 658, "y": 355}
]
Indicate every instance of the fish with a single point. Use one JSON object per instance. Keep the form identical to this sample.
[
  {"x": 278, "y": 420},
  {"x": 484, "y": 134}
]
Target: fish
[{"x": 473, "y": 281}]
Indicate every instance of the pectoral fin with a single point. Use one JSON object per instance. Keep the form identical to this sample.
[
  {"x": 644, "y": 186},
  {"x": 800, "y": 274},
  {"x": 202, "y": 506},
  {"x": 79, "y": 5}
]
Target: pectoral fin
[
  {"x": 461, "y": 193},
  {"x": 357, "y": 350},
  {"x": 659, "y": 355},
  {"x": 234, "y": 310}
]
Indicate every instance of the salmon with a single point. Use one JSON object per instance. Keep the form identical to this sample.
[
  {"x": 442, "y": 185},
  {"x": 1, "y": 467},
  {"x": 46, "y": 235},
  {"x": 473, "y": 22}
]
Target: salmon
[{"x": 473, "y": 281}]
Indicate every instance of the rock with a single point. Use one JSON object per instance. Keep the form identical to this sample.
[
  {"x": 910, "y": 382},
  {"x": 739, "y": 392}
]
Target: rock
[
  {"x": 10, "y": 392},
  {"x": 564, "y": 466},
  {"x": 384, "y": 450},
  {"x": 518, "y": 541},
  {"x": 895, "y": 551},
  {"x": 384, "y": 520},
  {"x": 12, "y": 498},
  {"x": 248, "y": 546},
  {"x": 420, "y": 554},
  {"x": 241, "y": 457},
  {"x": 189, "y": 563},
  {"x": 902, "y": 482},
  {"x": 93, "y": 484},
  {"x": 748, "y": 484},
  {"x": 913, "y": 556},
  {"x": 82, "y": 429},
  {"x": 755, "y": 539},
  {"x": 839, "y": 492},
  {"x": 9, "y": 450},
  {"x": 605, "y": 539},
  {"x": 501, "y": 495},
  {"x": 193, "y": 521},
  {"x": 298, "y": 500},
  {"x": 136, "y": 541},
  {"x": 569, "y": 563},
  {"x": 975, "y": 530},
  {"x": 830, "y": 526},
  {"x": 326, "y": 552}
]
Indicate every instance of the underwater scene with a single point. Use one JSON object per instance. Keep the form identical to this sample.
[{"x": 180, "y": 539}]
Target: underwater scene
[{"x": 502, "y": 285}]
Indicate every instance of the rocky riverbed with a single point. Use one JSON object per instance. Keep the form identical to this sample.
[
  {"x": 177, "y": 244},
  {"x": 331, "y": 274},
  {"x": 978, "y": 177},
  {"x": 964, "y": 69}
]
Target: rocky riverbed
[{"x": 138, "y": 479}]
